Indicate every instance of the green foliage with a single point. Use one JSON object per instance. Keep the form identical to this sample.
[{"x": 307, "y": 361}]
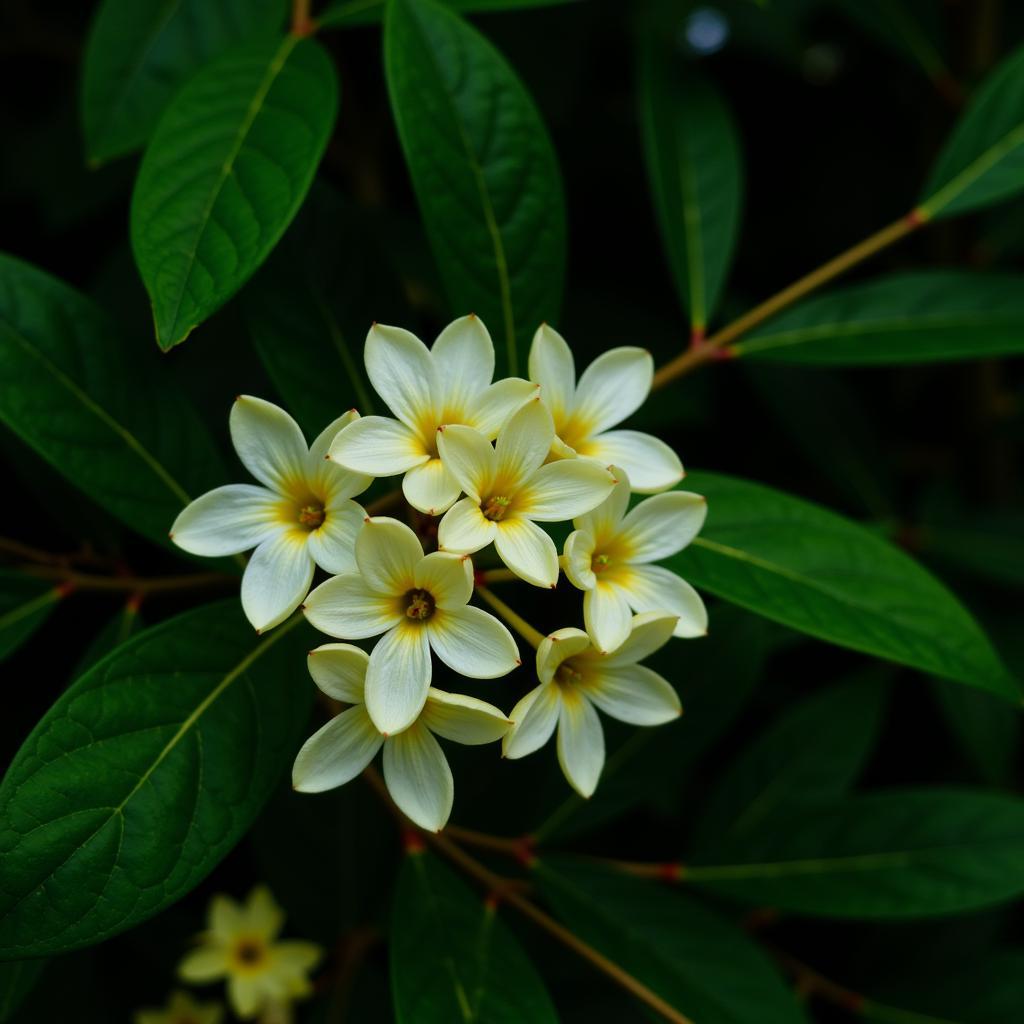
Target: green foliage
[
  {"x": 142, "y": 776},
  {"x": 340, "y": 13},
  {"x": 452, "y": 957},
  {"x": 224, "y": 174},
  {"x": 139, "y": 54},
  {"x": 926, "y": 316},
  {"x": 812, "y": 570},
  {"x": 25, "y": 604},
  {"x": 484, "y": 171}
]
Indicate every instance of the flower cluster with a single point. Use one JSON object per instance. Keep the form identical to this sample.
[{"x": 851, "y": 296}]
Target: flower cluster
[{"x": 492, "y": 461}]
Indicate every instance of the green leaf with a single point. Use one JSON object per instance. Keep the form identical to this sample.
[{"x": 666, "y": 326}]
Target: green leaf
[
  {"x": 138, "y": 54},
  {"x": 364, "y": 12},
  {"x": 899, "y": 854},
  {"x": 983, "y": 160},
  {"x": 813, "y": 752},
  {"x": 98, "y": 410},
  {"x": 813, "y": 570},
  {"x": 224, "y": 174},
  {"x": 17, "y": 979},
  {"x": 484, "y": 171},
  {"x": 919, "y": 317},
  {"x": 695, "y": 169},
  {"x": 142, "y": 776},
  {"x": 25, "y": 604},
  {"x": 986, "y": 730},
  {"x": 701, "y": 964},
  {"x": 453, "y": 959}
]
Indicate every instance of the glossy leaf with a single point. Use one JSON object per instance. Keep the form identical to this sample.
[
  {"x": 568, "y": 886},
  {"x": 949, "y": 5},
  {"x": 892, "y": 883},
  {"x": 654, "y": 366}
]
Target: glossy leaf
[
  {"x": 813, "y": 570},
  {"x": 142, "y": 776},
  {"x": 138, "y": 55},
  {"x": 813, "y": 752},
  {"x": 94, "y": 407},
  {"x": 484, "y": 171},
  {"x": 340, "y": 13},
  {"x": 695, "y": 169},
  {"x": 453, "y": 958},
  {"x": 224, "y": 174},
  {"x": 25, "y": 604},
  {"x": 701, "y": 964},
  {"x": 899, "y": 854},
  {"x": 983, "y": 160},
  {"x": 926, "y": 316}
]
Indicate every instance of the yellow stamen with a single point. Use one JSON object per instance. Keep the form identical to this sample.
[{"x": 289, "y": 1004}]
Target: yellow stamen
[
  {"x": 311, "y": 516},
  {"x": 419, "y": 605},
  {"x": 496, "y": 507},
  {"x": 566, "y": 675},
  {"x": 599, "y": 563}
]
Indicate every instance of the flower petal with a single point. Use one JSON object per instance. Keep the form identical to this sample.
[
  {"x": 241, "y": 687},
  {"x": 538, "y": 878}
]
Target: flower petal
[
  {"x": 651, "y": 588},
  {"x": 552, "y": 367},
  {"x": 533, "y": 721},
  {"x": 580, "y": 742},
  {"x": 276, "y": 579},
  {"x": 269, "y": 443},
  {"x": 329, "y": 479},
  {"x": 418, "y": 777},
  {"x": 294, "y": 956},
  {"x": 339, "y": 670},
  {"x": 401, "y": 371},
  {"x": 633, "y": 694},
  {"x": 263, "y": 916},
  {"x": 378, "y": 446},
  {"x": 337, "y": 752},
  {"x": 649, "y": 632},
  {"x": 463, "y": 719},
  {"x": 523, "y": 444},
  {"x": 246, "y": 994},
  {"x": 662, "y": 525},
  {"x": 528, "y": 551},
  {"x": 603, "y": 522},
  {"x": 577, "y": 559},
  {"x": 431, "y": 487},
  {"x": 492, "y": 408},
  {"x": 446, "y": 577},
  {"x": 227, "y": 520},
  {"x": 470, "y": 458},
  {"x": 204, "y": 964},
  {"x": 607, "y": 616},
  {"x": 472, "y": 642},
  {"x": 463, "y": 357},
  {"x": 556, "y": 647},
  {"x": 652, "y": 466},
  {"x": 387, "y": 553},
  {"x": 398, "y": 677},
  {"x": 564, "y": 489},
  {"x": 464, "y": 528},
  {"x": 322, "y": 445},
  {"x": 224, "y": 917},
  {"x": 333, "y": 544},
  {"x": 344, "y": 606},
  {"x": 614, "y": 386}
]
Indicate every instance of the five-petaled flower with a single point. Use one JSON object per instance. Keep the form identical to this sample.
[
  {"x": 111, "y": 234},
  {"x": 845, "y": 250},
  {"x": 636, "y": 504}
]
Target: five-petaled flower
[
  {"x": 509, "y": 489},
  {"x": 240, "y": 944},
  {"x": 301, "y": 516},
  {"x": 613, "y": 387},
  {"x": 608, "y": 557},
  {"x": 182, "y": 1009},
  {"x": 575, "y": 679},
  {"x": 418, "y": 602},
  {"x": 415, "y": 768},
  {"x": 426, "y": 388}
]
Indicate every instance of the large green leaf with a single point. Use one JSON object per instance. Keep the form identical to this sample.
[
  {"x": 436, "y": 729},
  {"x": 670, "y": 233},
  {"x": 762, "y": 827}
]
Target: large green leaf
[
  {"x": 138, "y": 54},
  {"x": 483, "y": 168},
  {"x": 812, "y": 753},
  {"x": 695, "y": 168},
  {"x": 701, "y": 964},
  {"x": 897, "y": 854},
  {"x": 905, "y": 318},
  {"x": 225, "y": 172},
  {"x": 453, "y": 959},
  {"x": 813, "y": 570},
  {"x": 983, "y": 160},
  {"x": 25, "y": 604},
  {"x": 142, "y": 776},
  {"x": 363, "y": 12},
  {"x": 95, "y": 408}
]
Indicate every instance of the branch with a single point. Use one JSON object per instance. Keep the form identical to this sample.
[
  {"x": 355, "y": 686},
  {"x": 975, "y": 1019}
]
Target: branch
[
  {"x": 532, "y": 636},
  {"x": 132, "y": 584}
]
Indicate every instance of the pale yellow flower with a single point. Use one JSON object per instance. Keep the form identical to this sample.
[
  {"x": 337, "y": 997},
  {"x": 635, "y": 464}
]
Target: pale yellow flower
[{"x": 182, "y": 1009}]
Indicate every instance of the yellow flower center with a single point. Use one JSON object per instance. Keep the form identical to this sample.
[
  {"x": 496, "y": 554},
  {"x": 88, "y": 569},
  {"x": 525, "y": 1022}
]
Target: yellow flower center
[
  {"x": 496, "y": 507},
  {"x": 419, "y": 605},
  {"x": 600, "y": 562},
  {"x": 249, "y": 954},
  {"x": 566, "y": 675},
  {"x": 312, "y": 516}
]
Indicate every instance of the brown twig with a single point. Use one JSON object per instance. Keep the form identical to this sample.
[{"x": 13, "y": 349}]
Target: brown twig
[
  {"x": 302, "y": 21},
  {"x": 132, "y": 584}
]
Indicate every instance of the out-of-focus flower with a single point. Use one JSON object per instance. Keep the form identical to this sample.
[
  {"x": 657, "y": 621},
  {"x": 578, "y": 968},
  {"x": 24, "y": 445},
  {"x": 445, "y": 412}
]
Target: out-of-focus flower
[{"x": 182, "y": 1009}]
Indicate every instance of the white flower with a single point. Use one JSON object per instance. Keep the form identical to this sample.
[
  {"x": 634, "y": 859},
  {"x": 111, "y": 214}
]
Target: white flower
[
  {"x": 609, "y": 554},
  {"x": 240, "y": 944},
  {"x": 613, "y": 387},
  {"x": 574, "y": 679},
  {"x": 415, "y": 768},
  {"x": 508, "y": 488},
  {"x": 427, "y": 388},
  {"x": 418, "y": 602},
  {"x": 301, "y": 516}
]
